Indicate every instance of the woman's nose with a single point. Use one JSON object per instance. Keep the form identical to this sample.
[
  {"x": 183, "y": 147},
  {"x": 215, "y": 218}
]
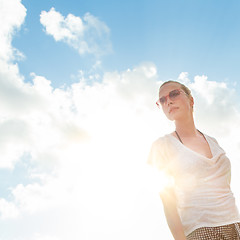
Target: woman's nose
[{"x": 169, "y": 101}]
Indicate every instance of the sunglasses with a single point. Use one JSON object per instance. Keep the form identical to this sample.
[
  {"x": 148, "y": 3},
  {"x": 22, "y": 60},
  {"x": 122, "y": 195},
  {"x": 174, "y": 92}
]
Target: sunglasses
[{"x": 173, "y": 95}]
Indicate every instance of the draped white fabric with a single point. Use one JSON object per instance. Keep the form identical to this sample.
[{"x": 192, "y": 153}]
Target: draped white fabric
[{"x": 202, "y": 185}]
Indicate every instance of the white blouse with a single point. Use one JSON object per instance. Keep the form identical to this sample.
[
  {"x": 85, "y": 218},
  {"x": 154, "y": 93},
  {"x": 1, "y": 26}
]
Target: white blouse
[{"x": 202, "y": 185}]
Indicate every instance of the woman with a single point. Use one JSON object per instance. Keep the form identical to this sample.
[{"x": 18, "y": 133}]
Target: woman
[{"x": 199, "y": 204}]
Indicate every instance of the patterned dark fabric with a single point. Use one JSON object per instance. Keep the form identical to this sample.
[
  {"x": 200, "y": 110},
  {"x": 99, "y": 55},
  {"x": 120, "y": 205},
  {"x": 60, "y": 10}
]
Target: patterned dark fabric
[{"x": 226, "y": 232}]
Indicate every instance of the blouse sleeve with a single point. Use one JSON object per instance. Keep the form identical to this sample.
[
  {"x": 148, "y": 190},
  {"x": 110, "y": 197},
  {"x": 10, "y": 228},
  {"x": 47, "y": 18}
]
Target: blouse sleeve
[
  {"x": 157, "y": 156},
  {"x": 217, "y": 144}
]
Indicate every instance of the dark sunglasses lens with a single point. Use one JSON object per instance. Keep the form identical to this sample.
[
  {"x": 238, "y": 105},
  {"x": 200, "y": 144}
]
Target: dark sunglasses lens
[
  {"x": 162, "y": 100},
  {"x": 173, "y": 94}
]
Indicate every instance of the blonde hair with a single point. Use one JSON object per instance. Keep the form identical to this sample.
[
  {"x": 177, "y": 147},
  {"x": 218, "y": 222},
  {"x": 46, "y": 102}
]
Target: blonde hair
[{"x": 182, "y": 86}]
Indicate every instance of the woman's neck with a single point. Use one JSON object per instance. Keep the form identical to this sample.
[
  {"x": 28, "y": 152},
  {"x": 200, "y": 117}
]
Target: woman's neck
[{"x": 186, "y": 128}]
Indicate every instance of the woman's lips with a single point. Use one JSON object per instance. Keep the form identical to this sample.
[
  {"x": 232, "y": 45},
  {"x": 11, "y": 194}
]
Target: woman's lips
[{"x": 171, "y": 109}]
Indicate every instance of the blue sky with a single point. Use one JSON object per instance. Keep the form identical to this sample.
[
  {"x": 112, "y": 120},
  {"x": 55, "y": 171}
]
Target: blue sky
[
  {"x": 78, "y": 85},
  {"x": 199, "y": 37}
]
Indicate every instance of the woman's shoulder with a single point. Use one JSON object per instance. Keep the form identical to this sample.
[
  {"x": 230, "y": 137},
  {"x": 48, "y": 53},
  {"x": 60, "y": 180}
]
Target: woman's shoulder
[
  {"x": 158, "y": 153},
  {"x": 210, "y": 137},
  {"x": 162, "y": 139}
]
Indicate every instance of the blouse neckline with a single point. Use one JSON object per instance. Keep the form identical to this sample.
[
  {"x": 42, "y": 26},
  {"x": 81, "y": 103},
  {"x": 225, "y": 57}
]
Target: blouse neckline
[{"x": 194, "y": 152}]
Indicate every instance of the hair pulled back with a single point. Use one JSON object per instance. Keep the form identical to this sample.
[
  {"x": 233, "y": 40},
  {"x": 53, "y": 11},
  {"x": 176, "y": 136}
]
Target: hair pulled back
[{"x": 182, "y": 86}]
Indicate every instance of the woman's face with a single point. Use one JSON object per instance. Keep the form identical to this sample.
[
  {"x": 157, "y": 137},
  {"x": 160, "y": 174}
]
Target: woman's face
[{"x": 179, "y": 107}]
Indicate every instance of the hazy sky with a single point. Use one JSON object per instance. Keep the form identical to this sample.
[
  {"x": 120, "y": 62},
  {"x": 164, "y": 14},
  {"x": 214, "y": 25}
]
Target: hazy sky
[{"x": 78, "y": 86}]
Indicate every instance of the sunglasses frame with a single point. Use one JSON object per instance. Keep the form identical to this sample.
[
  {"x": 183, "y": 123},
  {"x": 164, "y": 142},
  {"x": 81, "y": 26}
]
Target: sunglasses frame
[{"x": 159, "y": 104}]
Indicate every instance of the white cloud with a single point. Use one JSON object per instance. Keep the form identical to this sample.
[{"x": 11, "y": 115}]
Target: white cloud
[
  {"x": 89, "y": 144},
  {"x": 70, "y": 132},
  {"x": 8, "y": 209},
  {"x": 93, "y": 135},
  {"x": 216, "y": 101},
  {"x": 183, "y": 77},
  {"x": 12, "y": 17},
  {"x": 86, "y": 35},
  {"x": 44, "y": 237}
]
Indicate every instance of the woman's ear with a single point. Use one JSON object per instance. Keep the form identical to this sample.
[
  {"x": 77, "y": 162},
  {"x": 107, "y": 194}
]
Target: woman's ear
[{"x": 191, "y": 102}]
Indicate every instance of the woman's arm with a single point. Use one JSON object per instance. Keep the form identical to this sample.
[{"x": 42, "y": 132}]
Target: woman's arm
[{"x": 171, "y": 213}]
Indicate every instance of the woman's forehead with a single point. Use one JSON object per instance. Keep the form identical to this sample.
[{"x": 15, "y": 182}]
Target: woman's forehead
[{"x": 165, "y": 89}]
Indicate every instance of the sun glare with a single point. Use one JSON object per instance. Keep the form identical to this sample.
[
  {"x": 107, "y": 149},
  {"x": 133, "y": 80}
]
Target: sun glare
[{"x": 160, "y": 180}]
